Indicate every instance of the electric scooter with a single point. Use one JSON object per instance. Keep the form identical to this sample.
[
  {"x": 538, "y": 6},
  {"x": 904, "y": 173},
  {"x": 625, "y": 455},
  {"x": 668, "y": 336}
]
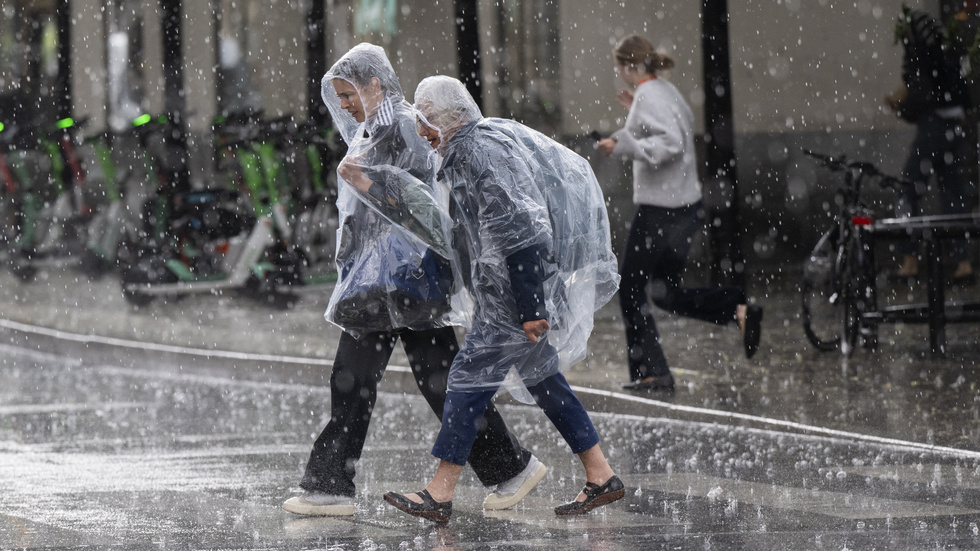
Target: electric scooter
[
  {"x": 236, "y": 239},
  {"x": 52, "y": 217},
  {"x": 117, "y": 228}
]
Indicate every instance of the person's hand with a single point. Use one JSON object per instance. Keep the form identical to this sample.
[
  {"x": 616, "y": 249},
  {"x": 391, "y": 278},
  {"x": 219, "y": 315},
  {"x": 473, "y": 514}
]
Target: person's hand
[
  {"x": 605, "y": 146},
  {"x": 624, "y": 98},
  {"x": 352, "y": 173},
  {"x": 893, "y": 101},
  {"x": 534, "y": 329}
]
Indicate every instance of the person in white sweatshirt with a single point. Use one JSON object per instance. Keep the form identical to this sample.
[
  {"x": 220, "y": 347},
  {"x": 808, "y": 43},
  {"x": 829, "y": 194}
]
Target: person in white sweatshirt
[{"x": 659, "y": 138}]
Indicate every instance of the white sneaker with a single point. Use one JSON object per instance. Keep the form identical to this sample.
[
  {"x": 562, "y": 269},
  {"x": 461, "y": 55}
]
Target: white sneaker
[
  {"x": 316, "y": 504},
  {"x": 509, "y": 492}
]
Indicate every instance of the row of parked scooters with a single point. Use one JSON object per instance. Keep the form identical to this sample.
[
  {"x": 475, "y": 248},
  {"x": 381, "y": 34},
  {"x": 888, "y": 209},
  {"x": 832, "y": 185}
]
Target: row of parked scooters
[{"x": 123, "y": 203}]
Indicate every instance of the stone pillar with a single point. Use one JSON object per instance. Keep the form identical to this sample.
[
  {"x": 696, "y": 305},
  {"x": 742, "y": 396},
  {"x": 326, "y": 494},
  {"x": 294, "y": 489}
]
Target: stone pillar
[
  {"x": 200, "y": 87},
  {"x": 88, "y": 66}
]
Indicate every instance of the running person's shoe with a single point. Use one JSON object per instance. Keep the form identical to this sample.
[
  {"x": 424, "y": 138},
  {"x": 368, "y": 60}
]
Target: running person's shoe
[{"x": 316, "y": 504}]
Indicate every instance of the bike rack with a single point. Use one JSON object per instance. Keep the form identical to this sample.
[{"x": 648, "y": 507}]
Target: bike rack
[{"x": 932, "y": 230}]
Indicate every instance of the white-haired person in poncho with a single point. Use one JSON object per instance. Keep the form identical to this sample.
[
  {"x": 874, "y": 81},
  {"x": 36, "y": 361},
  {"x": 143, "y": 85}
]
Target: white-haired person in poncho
[{"x": 531, "y": 238}]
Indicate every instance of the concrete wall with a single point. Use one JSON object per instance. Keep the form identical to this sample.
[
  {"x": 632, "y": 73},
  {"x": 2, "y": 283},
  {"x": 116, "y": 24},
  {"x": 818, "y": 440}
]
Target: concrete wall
[
  {"x": 804, "y": 74},
  {"x": 811, "y": 75},
  {"x": 153, "y": 70},
  {"x": 589, "y": 33},
  {"x": 816, "y": 65},
  {"x": 200, "y": 82},
  {"x": 423, "y": 44},
  {"x": 277, "y": 54},
  {"x": 796, "y": 66}
]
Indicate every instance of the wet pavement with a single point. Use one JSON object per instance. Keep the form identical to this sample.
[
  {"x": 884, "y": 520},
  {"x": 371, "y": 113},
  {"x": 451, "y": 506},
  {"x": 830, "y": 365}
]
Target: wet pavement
[{"x": 184, "y": 425}]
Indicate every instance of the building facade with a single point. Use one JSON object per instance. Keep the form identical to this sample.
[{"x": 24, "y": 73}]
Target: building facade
[{"x": 803, "y": 75}]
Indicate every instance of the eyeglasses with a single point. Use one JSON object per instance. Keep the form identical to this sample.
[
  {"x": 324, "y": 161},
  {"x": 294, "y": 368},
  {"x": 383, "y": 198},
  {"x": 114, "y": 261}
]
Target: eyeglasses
[{"x": 421, "y": 122}]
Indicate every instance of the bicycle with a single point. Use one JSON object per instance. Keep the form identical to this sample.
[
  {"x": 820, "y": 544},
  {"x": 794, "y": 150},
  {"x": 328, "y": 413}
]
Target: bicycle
[{"x": 838, "y": 291}]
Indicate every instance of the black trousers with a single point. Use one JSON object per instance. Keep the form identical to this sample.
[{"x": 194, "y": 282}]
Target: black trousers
[
  {"x": 359, "y": 365},
  {"x": 937, "y": 149},
  {"x": 656, "y": 252}
]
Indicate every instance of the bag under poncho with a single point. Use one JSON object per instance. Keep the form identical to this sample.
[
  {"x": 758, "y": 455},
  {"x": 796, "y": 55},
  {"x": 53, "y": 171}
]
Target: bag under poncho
[
  {"x": 513, "y": 189},
  {"x": 389, "y": 277}
]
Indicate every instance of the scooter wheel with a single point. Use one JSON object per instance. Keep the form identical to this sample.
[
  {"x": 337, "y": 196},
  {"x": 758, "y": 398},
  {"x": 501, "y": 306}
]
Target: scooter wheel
[
  {"x": 24, "y": 270},
  {"x": 137, "y": 298},
  {"x": 94, "y": 266},
  {"x": 266, "y": 291},
  {"x": 135, "y": 275}
]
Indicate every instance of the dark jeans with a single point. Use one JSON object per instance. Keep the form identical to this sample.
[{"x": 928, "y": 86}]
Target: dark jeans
[
  {"x": 553, "y": 396},
  {"x": 359, "y": 365},
  {"x": 938, "y": 148},
  {"x": 656, "y": 252}
]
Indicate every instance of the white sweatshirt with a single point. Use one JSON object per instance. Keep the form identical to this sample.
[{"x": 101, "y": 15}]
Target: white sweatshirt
[{"x": 659, "y": 137}]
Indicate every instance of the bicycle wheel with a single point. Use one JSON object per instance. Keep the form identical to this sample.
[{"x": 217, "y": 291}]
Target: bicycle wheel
[
  {"x": 851, "y": 325},
  {"x": 859, "y": 294},
  {"x": 821, "y": 293}
]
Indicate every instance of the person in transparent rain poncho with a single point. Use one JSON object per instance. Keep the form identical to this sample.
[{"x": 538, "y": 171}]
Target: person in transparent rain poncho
[
  {"x": 384, "y": 177},
  {"x": 532, "y": 244}
]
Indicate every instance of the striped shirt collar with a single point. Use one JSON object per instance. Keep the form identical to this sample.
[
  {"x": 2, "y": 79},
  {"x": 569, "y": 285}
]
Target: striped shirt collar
[{"x": 384, "y": 116}]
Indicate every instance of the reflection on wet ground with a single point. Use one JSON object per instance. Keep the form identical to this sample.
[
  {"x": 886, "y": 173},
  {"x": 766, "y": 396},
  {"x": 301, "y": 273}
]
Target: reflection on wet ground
[{"x": 111, "y": 444}]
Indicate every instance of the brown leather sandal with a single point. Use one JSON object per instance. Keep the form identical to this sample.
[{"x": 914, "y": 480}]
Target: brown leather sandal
[
  {"x": 437, "y": 511},
  {"x": 595, "y": 496}
]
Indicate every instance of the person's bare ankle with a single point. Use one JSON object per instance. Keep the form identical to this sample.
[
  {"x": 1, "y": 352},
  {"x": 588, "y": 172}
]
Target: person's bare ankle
[
  {"x": 910, "y": 266},
  {"x": 438, "y": 495},
  {"x": 600, "y": 476},
  {"x": 740, "y": 312},
  {"x": 963, "y": 269}
]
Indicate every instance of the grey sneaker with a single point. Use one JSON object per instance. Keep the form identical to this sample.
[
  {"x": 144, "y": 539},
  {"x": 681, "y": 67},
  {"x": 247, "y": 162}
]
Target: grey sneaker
[
  {"x": 509, "y": 492},
  {"x": 316, "y": 504}
]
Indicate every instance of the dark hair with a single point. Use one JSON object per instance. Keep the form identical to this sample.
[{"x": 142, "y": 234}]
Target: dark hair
[{"x": 636, "y": 50}]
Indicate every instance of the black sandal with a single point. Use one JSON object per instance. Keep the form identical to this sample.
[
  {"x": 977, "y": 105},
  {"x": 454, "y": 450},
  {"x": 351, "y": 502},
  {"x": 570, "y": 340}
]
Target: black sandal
[
  {"x": 662, "y": 382},
  {"x": 595, "y": 496},
  {"x": 437, "y": 511}
]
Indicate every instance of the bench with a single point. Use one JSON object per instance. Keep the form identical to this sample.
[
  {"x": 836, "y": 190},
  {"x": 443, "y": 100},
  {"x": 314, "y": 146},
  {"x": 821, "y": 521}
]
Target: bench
[{"x": 931, "y": 230}]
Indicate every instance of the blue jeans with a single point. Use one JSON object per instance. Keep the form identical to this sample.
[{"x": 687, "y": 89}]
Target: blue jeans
[
  {"x": 357, "y": 370},
  {"x": 463, "y": 417}
]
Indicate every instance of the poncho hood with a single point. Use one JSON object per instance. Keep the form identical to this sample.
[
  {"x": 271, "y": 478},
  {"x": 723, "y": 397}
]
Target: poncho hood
[{"x": 368, "y": 70}]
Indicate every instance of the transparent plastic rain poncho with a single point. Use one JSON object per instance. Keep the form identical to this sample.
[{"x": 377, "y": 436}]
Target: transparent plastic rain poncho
[
  {"x": 389, "y": 277},
  {"x": 513, "y": 188}
]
